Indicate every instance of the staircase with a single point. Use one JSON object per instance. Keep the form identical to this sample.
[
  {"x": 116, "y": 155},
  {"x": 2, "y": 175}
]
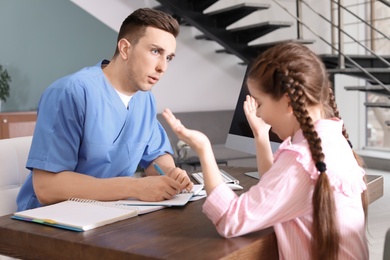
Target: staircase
[
  {"x": 372, "y": 65},
  {"x": 214, "y": 26}
]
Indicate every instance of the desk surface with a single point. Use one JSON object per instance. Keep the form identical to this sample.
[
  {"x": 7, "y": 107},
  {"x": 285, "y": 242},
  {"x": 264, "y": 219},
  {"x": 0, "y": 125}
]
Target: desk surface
[{"x": 170, "y": 233}]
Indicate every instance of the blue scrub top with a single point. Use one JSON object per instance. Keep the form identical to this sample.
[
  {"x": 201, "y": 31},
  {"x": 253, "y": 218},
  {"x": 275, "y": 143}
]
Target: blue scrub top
[{"x": 83, "y": 126}]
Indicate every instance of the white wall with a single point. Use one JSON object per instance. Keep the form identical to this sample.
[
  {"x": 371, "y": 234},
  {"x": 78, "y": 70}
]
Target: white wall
[{"x": 199, "y": 79}]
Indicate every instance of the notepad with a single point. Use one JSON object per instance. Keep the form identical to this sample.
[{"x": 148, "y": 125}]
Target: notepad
[
  {"x": 77, "y": 215},
  {"x": 178, "y": 200}
]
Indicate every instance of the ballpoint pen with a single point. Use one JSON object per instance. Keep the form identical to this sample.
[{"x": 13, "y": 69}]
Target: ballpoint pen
[{"x": 158, "y": 169}]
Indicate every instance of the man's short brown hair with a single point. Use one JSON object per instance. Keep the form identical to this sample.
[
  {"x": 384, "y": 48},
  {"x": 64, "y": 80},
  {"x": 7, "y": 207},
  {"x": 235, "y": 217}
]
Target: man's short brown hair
[{"x": 134, "y": 26}]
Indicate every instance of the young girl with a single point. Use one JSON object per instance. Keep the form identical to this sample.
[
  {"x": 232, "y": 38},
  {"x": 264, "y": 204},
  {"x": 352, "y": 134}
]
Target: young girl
[{"x": 312, "y": 190}]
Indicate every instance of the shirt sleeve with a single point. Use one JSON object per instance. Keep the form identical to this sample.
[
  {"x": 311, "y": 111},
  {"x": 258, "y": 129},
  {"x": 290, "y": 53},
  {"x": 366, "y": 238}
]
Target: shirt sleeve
[
  {"x": 58, "y": 130},
  {"x": 283, "y": 193},
  {"x": 158, "y": 143}
]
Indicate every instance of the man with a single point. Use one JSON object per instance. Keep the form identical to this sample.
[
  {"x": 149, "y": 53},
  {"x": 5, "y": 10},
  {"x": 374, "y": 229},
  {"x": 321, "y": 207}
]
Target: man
[{"x": 96, "y": 126}]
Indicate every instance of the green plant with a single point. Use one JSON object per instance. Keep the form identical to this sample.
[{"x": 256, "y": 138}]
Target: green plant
[{"x": 5, "y": 79}]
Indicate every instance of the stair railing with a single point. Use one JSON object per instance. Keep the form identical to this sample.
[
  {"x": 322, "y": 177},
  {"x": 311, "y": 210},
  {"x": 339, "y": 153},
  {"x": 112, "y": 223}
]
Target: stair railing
[
  {"x": 361, "y": 20},
  {"x": 386, "y": 2},
  {"x": 340, "y": 53}
]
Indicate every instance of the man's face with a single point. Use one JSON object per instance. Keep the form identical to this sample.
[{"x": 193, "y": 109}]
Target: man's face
[{"x": 148, "y": 59}]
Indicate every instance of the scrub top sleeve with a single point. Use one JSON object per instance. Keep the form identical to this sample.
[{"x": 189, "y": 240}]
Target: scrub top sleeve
[
  {"x": 58, "y": 129},
  {"x": 158, "y": 145}
]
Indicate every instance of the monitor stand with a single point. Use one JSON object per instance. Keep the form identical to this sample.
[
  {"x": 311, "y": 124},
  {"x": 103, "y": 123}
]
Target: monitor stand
[{"x": 253, "y": 175}]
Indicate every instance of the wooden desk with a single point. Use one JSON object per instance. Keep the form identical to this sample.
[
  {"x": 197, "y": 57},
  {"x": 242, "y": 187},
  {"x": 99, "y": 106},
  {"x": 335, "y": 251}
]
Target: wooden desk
[{"x": 172, "y": 233}]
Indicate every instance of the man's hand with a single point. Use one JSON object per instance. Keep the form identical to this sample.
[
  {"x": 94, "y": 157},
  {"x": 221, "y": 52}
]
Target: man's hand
[
  {"x": 157, "y": 188},
  {"x": 181, "y": 176}
]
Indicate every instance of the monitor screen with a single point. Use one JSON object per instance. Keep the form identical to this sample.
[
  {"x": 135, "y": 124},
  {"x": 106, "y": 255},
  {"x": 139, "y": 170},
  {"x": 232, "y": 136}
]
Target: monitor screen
[{"x": 240, "y": 136}]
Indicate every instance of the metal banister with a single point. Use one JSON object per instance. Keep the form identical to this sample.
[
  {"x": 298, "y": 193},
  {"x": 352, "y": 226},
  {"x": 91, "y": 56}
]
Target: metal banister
[{"x": 340, "y": 53}]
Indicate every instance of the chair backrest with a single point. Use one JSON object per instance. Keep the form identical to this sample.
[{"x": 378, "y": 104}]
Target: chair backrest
[
  {"x": 13, "y": 172},
  {"x": 386, "y": 251}
]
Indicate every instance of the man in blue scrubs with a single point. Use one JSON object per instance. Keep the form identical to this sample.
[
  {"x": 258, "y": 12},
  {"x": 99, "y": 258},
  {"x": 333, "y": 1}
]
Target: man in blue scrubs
[{"x": 96, "y": 126}]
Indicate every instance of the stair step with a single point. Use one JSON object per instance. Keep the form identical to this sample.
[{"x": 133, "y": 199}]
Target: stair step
[
  {"x": 226, "y": 16},
  {"x": 249, "y": 33},
  {"x": 378, "y": 104},
  {"x": 366, "y": 61},
  {"x": 386, "y": 2},
  {"x": 382, "y": 74},
  {"x": 202, "y": 37},
  {"x": 374, "y": 89},
  {"x": 200, "y": 5},
  {"x": 264, "y": 46}
]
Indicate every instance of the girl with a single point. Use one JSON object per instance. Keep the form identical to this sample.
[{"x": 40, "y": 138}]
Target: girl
[{"x": 312, "y": 190}]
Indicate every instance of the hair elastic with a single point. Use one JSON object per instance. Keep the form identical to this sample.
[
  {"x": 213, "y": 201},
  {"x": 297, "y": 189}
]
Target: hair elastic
[
  {"x": 350, "y": 144},
  {"x": 321, "y": 166}
]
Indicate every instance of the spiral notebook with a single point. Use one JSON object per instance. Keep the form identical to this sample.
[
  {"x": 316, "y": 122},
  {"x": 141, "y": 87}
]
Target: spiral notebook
[
  {"x": 77, "y": 214},
  {"x": 180, "y": 199},
  {"x": 81, "y": 214}
]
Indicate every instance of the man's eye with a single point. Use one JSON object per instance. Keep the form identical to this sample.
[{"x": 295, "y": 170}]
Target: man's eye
[
  {"x": 155, "y": 51},
  {"x": 169, "y": 58}
]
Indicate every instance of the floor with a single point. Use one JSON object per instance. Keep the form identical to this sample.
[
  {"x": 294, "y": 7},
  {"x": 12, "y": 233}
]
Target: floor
[{"x": 379, "y": 218}]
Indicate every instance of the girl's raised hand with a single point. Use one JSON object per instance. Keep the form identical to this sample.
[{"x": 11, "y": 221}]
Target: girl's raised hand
[
  {"x": 257, "y": 124},
  {"x": 195, "y": 139}
]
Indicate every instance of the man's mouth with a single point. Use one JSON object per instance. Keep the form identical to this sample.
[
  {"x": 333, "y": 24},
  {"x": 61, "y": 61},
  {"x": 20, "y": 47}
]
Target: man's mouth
[{"x": 153, "y": 80}]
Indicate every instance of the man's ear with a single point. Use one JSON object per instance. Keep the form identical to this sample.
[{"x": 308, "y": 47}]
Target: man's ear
[{"x": 123, "y": 47}]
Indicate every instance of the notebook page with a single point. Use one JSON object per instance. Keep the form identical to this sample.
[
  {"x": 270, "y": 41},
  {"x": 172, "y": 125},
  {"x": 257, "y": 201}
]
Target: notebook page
[{"x": 76, "y": 214}]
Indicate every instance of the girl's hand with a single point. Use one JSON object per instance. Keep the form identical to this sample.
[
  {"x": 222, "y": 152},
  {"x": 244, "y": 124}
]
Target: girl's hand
[
  {"x": 195, "y": 139},
  {"x": 258, "y": 126}
]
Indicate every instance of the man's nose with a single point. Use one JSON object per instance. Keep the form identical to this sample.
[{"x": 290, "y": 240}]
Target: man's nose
[{"x": 162, "y": 65}]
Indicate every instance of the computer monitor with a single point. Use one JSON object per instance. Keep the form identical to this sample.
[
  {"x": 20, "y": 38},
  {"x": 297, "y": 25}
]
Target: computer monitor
[{"x": 240, "y": 136}]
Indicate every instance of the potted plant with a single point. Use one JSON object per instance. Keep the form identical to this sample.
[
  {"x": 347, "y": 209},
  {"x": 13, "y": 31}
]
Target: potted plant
[{"x": 5, "y": 79}]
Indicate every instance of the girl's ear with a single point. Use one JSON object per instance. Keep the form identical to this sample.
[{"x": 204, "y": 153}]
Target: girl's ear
[{"x": 287, "y": 101}]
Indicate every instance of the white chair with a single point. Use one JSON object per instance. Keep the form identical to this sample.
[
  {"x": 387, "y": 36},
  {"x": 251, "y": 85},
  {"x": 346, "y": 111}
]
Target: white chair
[
  {"x": 13, "y": 172},
  {"x": 386, "y": 251}
]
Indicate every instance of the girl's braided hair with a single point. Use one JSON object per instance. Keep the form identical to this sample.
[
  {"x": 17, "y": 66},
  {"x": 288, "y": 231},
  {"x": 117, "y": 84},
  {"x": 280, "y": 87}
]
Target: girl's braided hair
[{"x": 294, "y": 69}]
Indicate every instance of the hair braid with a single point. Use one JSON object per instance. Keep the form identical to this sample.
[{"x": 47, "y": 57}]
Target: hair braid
[
  {"x": 332, "y": 103},
  {"x": 325, "y": 235}
]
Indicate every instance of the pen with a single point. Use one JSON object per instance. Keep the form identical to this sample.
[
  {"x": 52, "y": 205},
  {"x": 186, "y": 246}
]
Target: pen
[{"x": 158, "y": 169}]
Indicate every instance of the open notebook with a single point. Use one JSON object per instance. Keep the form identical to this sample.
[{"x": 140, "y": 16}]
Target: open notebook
[
  {"x": 76, "y": 214},
  {"x": 179, "y": 200},
  {"x": 82, "y": 215}
]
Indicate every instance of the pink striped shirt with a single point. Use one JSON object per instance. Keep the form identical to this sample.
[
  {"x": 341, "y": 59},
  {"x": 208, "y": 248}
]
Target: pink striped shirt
[{"x": 283, "y": 197}]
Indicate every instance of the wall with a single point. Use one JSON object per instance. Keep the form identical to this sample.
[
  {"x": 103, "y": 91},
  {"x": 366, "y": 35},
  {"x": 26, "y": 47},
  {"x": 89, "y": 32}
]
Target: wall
[
  {"x": 43, "y": 40},
  {"x": 199, "y": 79}
]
